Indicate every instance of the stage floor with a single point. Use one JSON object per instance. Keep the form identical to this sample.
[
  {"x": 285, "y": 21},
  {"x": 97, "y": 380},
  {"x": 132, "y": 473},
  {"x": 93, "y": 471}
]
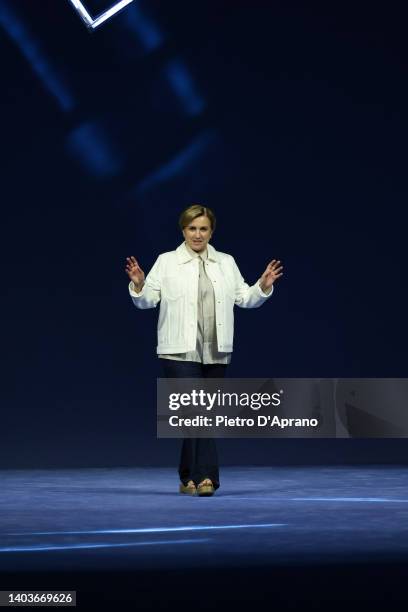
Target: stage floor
[{"x": 304, "y": 536}]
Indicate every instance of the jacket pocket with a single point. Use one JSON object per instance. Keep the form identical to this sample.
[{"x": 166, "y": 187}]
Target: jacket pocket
[
  {"x": 172, "y": 309},
  {"x": 172, "y": 288},
  {"x": 228, "y": 285},
  {"x": 176, "y": 321},
  {"x": 229, "y": 291}
]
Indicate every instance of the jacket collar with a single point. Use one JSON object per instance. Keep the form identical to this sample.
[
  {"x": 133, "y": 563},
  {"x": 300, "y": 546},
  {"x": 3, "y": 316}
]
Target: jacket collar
[{"x": 183, "y": 255}]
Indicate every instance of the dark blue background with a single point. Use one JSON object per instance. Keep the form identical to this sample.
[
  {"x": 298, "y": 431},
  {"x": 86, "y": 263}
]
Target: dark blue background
[{"x": 288, "y": 118}]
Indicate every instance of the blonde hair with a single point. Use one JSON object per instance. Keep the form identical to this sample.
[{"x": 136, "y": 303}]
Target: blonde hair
[{"x": 194, "y": 211}]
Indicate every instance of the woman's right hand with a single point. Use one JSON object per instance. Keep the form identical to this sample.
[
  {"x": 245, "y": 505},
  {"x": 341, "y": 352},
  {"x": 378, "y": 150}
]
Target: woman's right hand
[{"x": 135, "y": 273}]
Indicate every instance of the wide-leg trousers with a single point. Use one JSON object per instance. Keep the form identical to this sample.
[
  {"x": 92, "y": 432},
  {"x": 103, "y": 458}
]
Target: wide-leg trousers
[{"x": 199, "y": 457}]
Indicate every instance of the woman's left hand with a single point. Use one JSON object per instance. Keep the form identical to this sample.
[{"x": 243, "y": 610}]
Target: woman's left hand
[{"x": 272, "y": 272}]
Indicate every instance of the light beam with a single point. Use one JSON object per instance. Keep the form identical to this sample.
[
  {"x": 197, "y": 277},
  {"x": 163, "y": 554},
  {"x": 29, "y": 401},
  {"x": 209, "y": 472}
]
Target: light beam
[{"x": 93, "y": 23}]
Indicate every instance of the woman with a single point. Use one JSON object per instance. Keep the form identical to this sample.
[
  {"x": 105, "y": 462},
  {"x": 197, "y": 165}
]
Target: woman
[{"x": 197, "y": 288}]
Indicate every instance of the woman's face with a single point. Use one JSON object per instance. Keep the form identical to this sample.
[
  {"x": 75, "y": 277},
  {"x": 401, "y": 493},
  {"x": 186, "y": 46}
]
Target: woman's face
[{"x": 198, "y": 233}]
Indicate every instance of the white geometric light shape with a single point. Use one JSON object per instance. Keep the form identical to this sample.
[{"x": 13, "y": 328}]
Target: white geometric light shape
[{"x": 93, "y": 23}]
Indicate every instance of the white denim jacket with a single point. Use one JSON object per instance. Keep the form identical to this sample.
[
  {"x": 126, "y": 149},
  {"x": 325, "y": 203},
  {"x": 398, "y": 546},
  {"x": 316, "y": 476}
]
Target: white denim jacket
[{"x": 173, "y": 281}]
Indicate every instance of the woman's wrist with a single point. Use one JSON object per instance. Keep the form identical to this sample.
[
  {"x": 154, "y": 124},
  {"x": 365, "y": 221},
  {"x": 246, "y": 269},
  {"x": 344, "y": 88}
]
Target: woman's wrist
[
  {"x": 264, "y": 289},
  {"x": 138, "y": 287}
]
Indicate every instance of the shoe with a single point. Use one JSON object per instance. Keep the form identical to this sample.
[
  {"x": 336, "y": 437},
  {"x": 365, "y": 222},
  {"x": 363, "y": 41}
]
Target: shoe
[
  {"x": 206, "y": 488},
  {"x": 188, "y": 489}
]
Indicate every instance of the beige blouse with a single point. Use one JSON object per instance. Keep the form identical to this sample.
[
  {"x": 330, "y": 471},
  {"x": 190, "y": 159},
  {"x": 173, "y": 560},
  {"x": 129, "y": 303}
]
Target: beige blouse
[{"x": 206, "y": 350}]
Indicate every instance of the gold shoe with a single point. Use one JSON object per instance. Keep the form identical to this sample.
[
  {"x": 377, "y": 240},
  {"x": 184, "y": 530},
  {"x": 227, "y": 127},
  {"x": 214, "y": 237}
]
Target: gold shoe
[
  {"x": 205, "y": 488},
  {"x": 188, "y": 489}
]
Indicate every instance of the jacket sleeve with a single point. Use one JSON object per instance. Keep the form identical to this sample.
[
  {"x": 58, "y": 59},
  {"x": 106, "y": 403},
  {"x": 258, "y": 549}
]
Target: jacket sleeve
[
  {"x": 150, "y": 295},
  {"x": 248, "y": 296}
]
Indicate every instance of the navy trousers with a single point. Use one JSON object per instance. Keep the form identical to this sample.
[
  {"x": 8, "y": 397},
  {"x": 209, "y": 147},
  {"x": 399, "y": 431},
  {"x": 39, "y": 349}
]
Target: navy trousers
[{"x": 199, "y": 458}]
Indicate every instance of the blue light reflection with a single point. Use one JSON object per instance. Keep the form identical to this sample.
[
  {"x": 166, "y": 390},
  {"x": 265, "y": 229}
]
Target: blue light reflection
[
  {"x": 88, "y": 546},
  {"x": 157, "y": 529}
]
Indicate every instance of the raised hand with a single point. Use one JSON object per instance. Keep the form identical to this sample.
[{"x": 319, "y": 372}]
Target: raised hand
[
  {"x": 272, "y": 272},
  {"x": 135, "y": 272}
]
